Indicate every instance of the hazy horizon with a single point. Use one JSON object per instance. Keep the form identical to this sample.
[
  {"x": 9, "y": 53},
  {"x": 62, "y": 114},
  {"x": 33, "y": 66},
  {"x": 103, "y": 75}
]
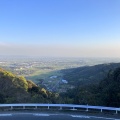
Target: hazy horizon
[{"x": 65, "y": 28}]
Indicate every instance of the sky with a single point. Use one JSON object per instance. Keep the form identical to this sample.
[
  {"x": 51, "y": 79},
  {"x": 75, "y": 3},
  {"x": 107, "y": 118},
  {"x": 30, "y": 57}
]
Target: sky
[{"x": 60, "y": 28}]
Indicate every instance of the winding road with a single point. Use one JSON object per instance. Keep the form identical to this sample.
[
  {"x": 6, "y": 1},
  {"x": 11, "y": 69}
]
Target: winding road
[{"x": 51, "y": 116}]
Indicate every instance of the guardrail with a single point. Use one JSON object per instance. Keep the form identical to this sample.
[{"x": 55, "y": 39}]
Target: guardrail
[{"x": 61, "y": 106}]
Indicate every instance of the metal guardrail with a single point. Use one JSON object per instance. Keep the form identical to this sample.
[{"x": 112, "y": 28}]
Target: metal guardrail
[{"x": 61, "y": 106}]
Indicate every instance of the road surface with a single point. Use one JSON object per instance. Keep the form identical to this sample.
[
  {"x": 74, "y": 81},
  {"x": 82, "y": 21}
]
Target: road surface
[{"x": 50, "y": 116}]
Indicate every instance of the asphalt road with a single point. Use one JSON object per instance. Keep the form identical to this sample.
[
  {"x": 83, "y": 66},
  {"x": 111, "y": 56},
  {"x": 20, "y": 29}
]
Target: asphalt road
[{"x": 50, "y": 116}]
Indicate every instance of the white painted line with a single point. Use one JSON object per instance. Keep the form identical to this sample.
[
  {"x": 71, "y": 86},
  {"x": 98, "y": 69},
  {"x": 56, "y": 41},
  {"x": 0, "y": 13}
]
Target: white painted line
[
  {"x": 80, "y": 116},
  {"x": 104, "y": 118},
  {"x": 22, "y": 114},
  {"x": 5, "y": 115},
  {"x": 41, "y": 115}
]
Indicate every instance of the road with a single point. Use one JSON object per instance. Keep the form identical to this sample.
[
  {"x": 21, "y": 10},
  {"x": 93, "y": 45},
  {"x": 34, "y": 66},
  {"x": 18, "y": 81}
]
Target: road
[{"x": 50, "y": 116}]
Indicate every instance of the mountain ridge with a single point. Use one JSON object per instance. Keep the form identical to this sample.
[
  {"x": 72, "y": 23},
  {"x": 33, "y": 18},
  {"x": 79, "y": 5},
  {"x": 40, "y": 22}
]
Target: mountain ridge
[{"x": 88, "y": 74}]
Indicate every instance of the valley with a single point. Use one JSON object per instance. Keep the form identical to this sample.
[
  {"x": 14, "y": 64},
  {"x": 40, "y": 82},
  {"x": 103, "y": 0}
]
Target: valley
[
  {"x": 94, "y": 83},
  {"x": 51, "y": 73}
]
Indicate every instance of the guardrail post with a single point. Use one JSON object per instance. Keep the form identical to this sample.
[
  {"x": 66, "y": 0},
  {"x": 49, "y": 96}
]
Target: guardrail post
[
  {"x": 23, "y": 107},
  {"x": 11, "y": 107},
  {"x": 101, "y": 110},
  {"x": 87, "y": 108},
  {"x": 73, "y": 108},
  {"x": 48, "y": 107},
  {"x": 35, "y": 107},
  {"x": 116, "y": 112},
  {"x": 60, "y": 107}
]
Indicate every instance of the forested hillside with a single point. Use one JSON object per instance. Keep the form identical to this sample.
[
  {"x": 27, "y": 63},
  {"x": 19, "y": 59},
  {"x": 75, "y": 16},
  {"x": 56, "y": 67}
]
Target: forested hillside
[
  {"x": 14, "y": 89},
  {"x": 87, "y": 75},
  {"x": 106, "y": 93}
]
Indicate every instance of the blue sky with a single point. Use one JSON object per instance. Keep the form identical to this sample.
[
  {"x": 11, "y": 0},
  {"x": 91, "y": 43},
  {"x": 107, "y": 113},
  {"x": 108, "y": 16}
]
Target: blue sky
[{"x": 65, "y": 28}]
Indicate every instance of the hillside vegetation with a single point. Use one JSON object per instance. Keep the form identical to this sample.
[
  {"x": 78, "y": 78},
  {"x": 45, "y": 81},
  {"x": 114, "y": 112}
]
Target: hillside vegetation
[
  {"x": 14, "y": 89},
  {"x": 87, "y": 75},
  {"x": 106, "y": 93}
]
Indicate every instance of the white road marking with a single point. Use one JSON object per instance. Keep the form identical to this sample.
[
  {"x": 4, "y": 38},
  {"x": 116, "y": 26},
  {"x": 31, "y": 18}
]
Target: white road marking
[
  {"x": 105, "y": 118},
  {"x": 45, "y": 115},
  {"x": 22, "y": 113},
  {"x": 80, "y": 116},
  {"x": 5, "y": 115},
  {"x": 41, "y": 115}
]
